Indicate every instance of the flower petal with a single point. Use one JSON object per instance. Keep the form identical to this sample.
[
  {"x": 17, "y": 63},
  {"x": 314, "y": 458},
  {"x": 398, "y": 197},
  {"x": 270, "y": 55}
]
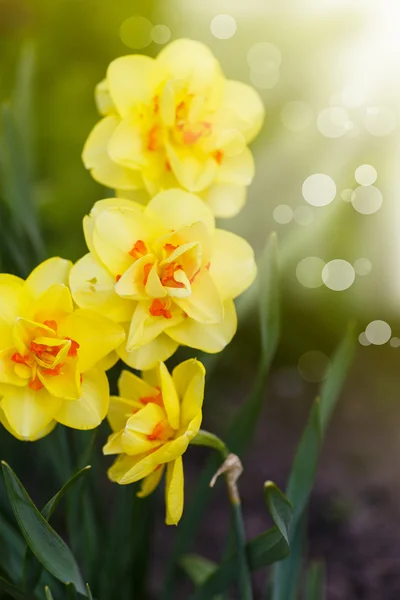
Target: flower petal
[
  {"x": 51, "y": 271},
  {"x": 114, "y": 444},
  {"x": 209, "y": 338},
  {"x": 120, "y": 410},
  {"x": 95, "y": 334},
  {"x": 189, "y": 380},
  {"x": 133, "y": 80},
  {"x": 238, "y": 169},
  {"x": 233, "y": 267},
  {"x": 93, "y": 287},
  {"x": 144, "y": 420},
  {"x": 170, "y": 397},
  {"x": 147, "y": 356},
  {"x": 193, "y": 172},
  {"x": 103, "y": 99},
  {"x": 225, "y": 199},
  {"x": 176, "y": 209},
  {"x": 29, "y": 412},
  {"x": 121, "y": 466},
  {"x": 145, "y": 327},
  {"x": 174, "y": 491},
  {"x": 204, "y": 304},
  {"x": 134, "y": 387},
  {"x": 126, "y": 146},
  {"x": 90, "y": 409},
  {"x": 54, "y": 304},
  {"x": 150, "y": 482},
  {"x": 98, "y": 161},
  {"x": 11, "y": 302},
  {"x": 241, "y": 108}
]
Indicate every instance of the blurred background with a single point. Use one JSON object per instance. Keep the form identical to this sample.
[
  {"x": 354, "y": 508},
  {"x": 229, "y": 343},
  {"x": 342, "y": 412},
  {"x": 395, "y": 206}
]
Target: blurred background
[{"x": 326, "y": 181}]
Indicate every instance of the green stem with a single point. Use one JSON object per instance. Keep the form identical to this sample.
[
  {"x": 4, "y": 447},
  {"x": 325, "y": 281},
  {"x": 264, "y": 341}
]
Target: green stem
[{"x": 231, "y": 468}]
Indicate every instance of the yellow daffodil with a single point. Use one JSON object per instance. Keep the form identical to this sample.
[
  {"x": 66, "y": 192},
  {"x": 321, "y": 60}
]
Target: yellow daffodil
[
  {"x": 175, "y": 121},
  {"x": 153, "y": 420},
  {"x": 165, "y": 272},
  {"x": 48, "y": 354}
]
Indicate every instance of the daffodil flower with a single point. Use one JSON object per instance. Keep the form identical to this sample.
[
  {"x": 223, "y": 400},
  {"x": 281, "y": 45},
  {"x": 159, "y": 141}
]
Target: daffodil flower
[
  {"x": 175, "y": 121},
  {"x": 48, "y": 354},
  {"x": 165, "y": 272},
  {"x": 153, "y": 420}
]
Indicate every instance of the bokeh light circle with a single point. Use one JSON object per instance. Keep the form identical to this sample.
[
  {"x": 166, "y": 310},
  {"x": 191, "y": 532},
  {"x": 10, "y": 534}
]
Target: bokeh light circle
[
  {"x": 378, "y": 332},
  {"x": 333, "y": 122},
  {"x": 296, "y": 116},
  {"x": 314, "y": 366},
  {"x": 346, "y": 194},
  {"x": 263, "y": 56},
  {"x": 160, "y": 34},
  {"x": 363, "y": 340},
  {"x": 395, "y": 342},
  {"x": 352, "y": 96},
  {"x": 223, "y": 26},
  {"x": 379, "y": 121},
  {"x": 136, "y": 32},
  {"x": 319, "y": 189},
  {"x": 338, "y": 275},
  {"x": 362, "y": 266},
  {"x": 309, "y": 271},
  {"x": 283, "y": 214},
  {"x": 367, "y": 199},
  {"x": 365, "y": 175},
  {"x": 265, "y": 80},
  {"x": 303, "y": 215}
]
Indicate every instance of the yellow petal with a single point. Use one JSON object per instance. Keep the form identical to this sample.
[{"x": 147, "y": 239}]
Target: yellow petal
[
  {"x": 97, "y": 160},
  {"x": 51, "y": 271},
  {"x": 66, "y": 385},
  {"x": 54, "y": 304},
  {"x": 233, "y": 268},
  {"x": 133, "y": 80},
  {"x": 90, "y": 409},
  {"x": 93, "y": 287},
  {"x": 194, "y": 426},
  {"x": 193, "y": 172},
  {"x": 114, "y": 444},
  {"x": 145, "y": 419},
  {"x": 176, "y": 209},
  {"x": 108, "y": 361},
  {"x": 126, "y": 146},
  {"x": 150, "y": 482},
  {"x": 166, "y": 453},
  {"x": 144, "y": 327},
  {"x": 147, "y": 356},
  {"x": 225, "y": 199},
  {"x": 131, "y": 284},
  {"x": 11, "y": 304},
  {"x": 209, "y": 338},
  {"x": 8, "y": 372},
  {"x": 170, "y": 397},
  {"x": 189, "y": 380},
  {"x": 238, "y": 169},
  {"x": 241, "y": 108},
  {"x": 135, "y": 388},
  {"x": 204, "y": 303},
  {"x": 122, "y": 465},
  {"x": 174, "y": 491},
  {"x": 120, "y": 410},
  {"x": 193, "y": 62},
  {"x": 116, "y": 230},
  {"x": 29, "y": 412},
  {"x": 96, "y": 335},
  {"x": 103, "y": 99},
  {"x": 48, "y": 429}
]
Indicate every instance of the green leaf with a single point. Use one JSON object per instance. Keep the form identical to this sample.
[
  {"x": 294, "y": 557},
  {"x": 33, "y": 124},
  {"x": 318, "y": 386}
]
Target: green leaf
[
  {"x": 305, "y": 463},
  {"x": 32, "y": 568},
  {"x": 267, "y": 548},
  {"x": 243, "y": 425},
  {"x": 279, "y": 507},
  {"x": 88, "y": 592},
  {"x": 49, "y": 595},
  {"x": 50, "y": 550},
  {"x": 71, "y": 592},
  {"x": 12, "y": 548},
  {"x": 315, "y": 583},
  {"x": 8, "y": 588},
  {"x": 209, "y": 440},
  {"x": 197, "y": 568}
]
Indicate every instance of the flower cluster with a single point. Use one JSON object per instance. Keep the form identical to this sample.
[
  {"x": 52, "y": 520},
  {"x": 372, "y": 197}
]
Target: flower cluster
[{"x": 158, "y": 274}]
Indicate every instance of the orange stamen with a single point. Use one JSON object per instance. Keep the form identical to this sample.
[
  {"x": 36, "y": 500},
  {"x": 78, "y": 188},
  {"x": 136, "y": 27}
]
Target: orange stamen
[
  {"x": 152, "y": 399},
  {"x": 117, "y": 278},
  {"x": 74, "y": 347},
  {"x": 169, "y": 248},
  {"x": 168, "y": 278},
  {"x": 191, "y": 137},
  {"x": 146, "y": 272},
  {"x": 35, "y": 384},
  {"x": 167, "y": 166},
  {"x": 51, "y": 324},
  {"x": 139, "y": 249},
  {"x": 156, "y": 104},
  {"x": 153, "y": 139},
  {"x": 208, "y": 265},
  {"x": 158, "y": 432},
  {"x": 53, "y": 372},
  {"x": 159, "y": 308},
  {"x": 43, "y": 349},
  {"x": 19, "y": 359},
  {"x": 81, "y": 377},
  {"x": 218, "y": 155}
]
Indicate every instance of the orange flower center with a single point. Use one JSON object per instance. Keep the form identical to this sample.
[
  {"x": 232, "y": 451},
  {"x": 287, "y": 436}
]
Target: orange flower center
[
  {"x": 160, "y": 308},
  {"x": 139, "y": 249}
]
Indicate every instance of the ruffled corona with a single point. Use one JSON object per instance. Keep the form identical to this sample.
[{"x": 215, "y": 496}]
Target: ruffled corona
[
  {"x": 153, "y": 420},
  {"x": 175, "y": 121},
  {"x": 50, "y": 352},
  {"x": 165, "y": 272}
]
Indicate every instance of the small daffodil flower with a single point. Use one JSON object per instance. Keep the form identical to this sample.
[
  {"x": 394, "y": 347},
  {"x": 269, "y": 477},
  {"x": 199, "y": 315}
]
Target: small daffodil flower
[
  {"x": 165, "y": 272},
  {"x": 50, "y": 354},
  {"x": 153, "y": 420},
  {"x": 175, "y": 121}
]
